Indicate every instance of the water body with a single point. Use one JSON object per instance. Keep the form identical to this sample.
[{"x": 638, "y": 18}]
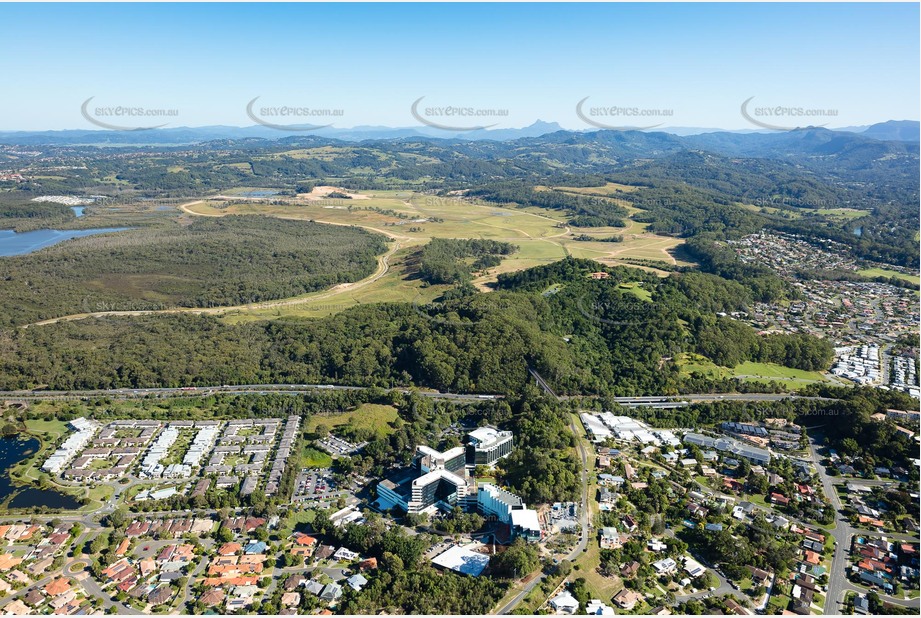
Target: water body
[
  {"x": 78, "y": 210},
  {"x": 258, "y": 193},
  {"x": 12, "y": 451},
  {"x": 15, "y": 243}
]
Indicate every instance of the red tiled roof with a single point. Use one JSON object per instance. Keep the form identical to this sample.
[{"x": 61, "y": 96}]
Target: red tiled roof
[
  {"x": 244, "y": 580},
  {"x": 58, "y": 586},
  {"x": 304, "y": 539},
  {"x": 228, "y": 549}
]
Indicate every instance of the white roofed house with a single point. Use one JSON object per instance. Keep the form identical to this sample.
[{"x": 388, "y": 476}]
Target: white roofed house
[
  {"x": 693, "y": 568},
  {"x": 596, "y": 607},
  {"x": 564, "y": 603},
  {"x": 72, "y": 445},
  {"x": 525, "y": 524},
  {"x": 666, "y": 566},
  {"x": 345, "y": 554}
]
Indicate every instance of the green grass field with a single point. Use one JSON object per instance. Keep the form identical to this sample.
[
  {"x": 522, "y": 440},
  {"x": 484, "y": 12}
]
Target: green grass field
[
  {"x": 608, "y": 189},
  {"x": 844, "y": 214},
  {"x": 776, "y": 372},
  {"x": 835, "y": 214},
  {"x": 780, "y": 602},
  {"x": 47, "y": 430},
  {"x": 749, "y": 371},
  {"x": 636, "y": 289},
  {"x": 882, "y": 272},
  {"x": 49, "y": 433},
  {"x": 366, "y": 416},
  {"x": 295, "y": 519},
  {"x": 98, "y": 495},
  {"x": 314, "y": 458},
  {"x": 600, "y": 586}
]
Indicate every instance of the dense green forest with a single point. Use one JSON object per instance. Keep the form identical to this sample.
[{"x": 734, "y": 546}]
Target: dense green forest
[
  {"x": 618, "y": 336},
  {"x": 585, "y": 211},
  {"x": 449, "y": 260},
  {"x": 588, "y": 337},
  {"x": 18, "y": 214},
  {"x": 543, "y": 467},
  {"x": 208, "y": 262}
]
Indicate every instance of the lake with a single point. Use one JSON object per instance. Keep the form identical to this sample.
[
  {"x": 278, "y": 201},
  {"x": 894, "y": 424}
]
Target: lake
[
  {"x": 15, "y": 243},
  {"x": 12, "y": 451}
]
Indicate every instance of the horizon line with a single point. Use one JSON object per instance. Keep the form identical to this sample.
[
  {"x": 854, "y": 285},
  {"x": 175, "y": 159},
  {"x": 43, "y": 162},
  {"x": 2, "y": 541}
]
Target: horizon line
[{"x": 428, "y": 129}]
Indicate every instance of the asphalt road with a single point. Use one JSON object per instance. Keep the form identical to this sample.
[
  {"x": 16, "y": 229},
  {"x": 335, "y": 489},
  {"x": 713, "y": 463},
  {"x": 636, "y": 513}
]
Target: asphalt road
[
  {"x": 297, "y": 389},
  {"x": 93, "y": 588},
  {"x": 843, "y": 532},
  {"x": 243, "y": 389}
]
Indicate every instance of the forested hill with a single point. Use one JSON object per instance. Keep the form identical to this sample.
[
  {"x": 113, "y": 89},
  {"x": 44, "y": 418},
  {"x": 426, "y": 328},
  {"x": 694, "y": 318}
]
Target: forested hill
[{"x": 618, "y": 336}]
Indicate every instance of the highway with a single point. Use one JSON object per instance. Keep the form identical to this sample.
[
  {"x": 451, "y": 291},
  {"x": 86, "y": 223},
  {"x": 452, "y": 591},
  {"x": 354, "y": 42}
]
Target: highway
[
  {"x": 300, "y": 389},
  {"x": 674, "y": 401},
  {"x": 203, "y": 391}
]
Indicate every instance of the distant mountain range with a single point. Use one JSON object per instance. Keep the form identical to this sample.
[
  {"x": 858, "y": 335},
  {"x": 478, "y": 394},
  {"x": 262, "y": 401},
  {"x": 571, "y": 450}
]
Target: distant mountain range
[
  {"x": 900, "y": 130},
  {"x": 892, "y": 130}
]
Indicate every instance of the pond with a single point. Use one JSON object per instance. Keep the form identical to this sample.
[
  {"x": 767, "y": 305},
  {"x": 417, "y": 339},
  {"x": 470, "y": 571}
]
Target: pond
[
  {"x": 12, "y": 451},
  {"x": 78, "y": 210},
  {"x": 258, "y": 193},
  {"x": 15, "y": 243}
]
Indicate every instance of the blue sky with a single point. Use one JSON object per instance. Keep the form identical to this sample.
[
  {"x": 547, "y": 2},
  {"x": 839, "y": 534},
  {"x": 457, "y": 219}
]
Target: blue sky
[{"x": 534, "y": 60}]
